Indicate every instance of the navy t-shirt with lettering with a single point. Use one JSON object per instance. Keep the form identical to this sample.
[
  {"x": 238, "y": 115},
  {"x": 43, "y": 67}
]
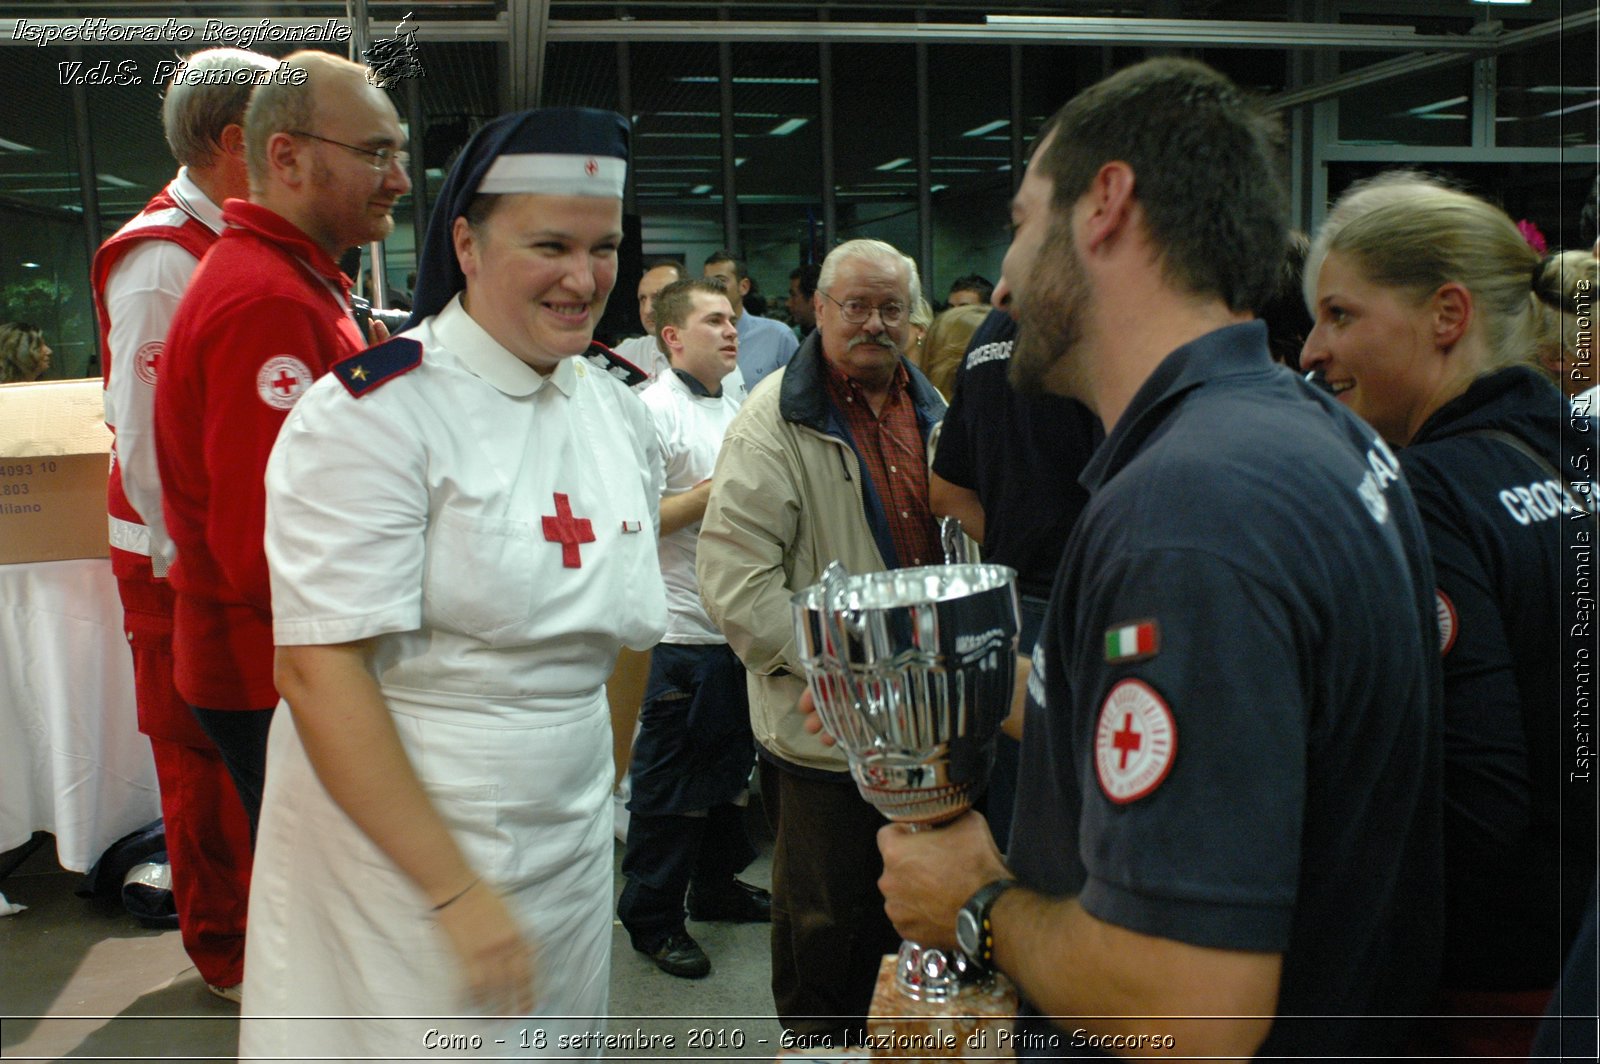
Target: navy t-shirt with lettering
[
  {"x": 1232, "y": 737},
  {"x": 1020, "y": 453},
  {"x": 1513, "y": 551}
]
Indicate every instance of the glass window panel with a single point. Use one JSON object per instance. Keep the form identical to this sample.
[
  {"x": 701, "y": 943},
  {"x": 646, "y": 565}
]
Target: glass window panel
[
  {"x": 1052, "y": 75},
  {"x": 677, "y": 153},
  {"x": 875, "y": 152},
  {"x": 580, "y": 74},
  {"x": 44, "y": 256},
  {"x": 778, "y": 156},
  {"x": 1263, "y": 71},
  {"x": 1548, "y": 95},
  {"x": 1433, "y": 108},
  {"x": 970, "y": 173},
  {"x": 458, "y": 91},
  {"x": 38, "y": 148}
]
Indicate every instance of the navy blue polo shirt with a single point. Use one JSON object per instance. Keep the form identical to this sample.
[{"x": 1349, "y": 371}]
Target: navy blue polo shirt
[
  {"x": 1020, "y": 453},
  {"x": 1513, "y": 551},
  {"x": 1232, "y": 737}
]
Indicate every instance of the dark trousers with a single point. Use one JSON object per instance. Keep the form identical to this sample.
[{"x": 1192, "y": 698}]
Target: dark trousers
[
  {"x": 241, "y": 736},
  {"x": 668, "y": 854},
  {"x": 829, "y": 930},
  {"x": 691, "y": 761}
]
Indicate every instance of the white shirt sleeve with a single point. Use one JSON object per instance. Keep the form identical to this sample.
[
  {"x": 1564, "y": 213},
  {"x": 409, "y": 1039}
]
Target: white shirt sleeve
[
  {"x": 347, "y": 519},
  {"x": 142, "y": 294}
]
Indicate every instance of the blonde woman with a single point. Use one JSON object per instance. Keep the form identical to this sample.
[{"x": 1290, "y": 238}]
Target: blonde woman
[
  {"x": 946, "y": 344},
  {"x": 1425, "y": 325},
  {"x": 1566, "y": 289},
  {"x": 24, "y": 356}
]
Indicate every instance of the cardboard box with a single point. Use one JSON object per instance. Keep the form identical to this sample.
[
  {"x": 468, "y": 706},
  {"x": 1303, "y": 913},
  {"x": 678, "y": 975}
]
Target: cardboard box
[{"x": 54, "y": 460}]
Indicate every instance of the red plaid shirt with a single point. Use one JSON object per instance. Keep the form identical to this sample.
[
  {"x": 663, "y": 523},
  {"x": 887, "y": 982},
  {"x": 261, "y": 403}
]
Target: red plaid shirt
[{"x": 896, "y": 461}]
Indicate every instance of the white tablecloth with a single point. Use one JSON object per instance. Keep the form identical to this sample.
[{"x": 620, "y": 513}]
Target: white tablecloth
[{"x": 72, "y": 760}]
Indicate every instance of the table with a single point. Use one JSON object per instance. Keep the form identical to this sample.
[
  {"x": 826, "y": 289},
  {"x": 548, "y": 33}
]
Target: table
[{"x": 72, "y": 761}]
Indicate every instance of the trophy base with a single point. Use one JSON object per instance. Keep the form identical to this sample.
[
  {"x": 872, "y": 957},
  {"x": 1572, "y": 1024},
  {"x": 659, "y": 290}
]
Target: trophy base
[{"x": 975, "y": 1022}]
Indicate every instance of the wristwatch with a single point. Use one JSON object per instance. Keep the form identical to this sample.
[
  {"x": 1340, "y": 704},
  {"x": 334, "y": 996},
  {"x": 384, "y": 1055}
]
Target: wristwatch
[{"x": 974, "y": 929}]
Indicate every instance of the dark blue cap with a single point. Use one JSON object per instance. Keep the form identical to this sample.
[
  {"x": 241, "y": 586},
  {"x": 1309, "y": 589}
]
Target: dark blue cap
[{"x": 554, "y": 151}]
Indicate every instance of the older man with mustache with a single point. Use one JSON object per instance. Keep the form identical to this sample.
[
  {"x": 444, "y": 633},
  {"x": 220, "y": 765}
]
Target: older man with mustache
[{"x": 829, "y": 462}]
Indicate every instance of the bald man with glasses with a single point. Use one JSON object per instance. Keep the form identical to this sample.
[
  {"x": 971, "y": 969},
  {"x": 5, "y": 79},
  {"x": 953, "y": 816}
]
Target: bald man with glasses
[{"x": 828, "y": 461}]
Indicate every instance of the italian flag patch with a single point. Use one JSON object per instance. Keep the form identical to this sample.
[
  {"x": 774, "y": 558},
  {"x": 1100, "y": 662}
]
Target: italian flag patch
[{"x": 1132, "y": 642}]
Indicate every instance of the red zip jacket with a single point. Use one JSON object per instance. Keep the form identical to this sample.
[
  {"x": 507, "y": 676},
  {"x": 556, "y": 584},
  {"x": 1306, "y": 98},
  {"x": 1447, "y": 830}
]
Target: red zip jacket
[{"x": 266, "y": 314}]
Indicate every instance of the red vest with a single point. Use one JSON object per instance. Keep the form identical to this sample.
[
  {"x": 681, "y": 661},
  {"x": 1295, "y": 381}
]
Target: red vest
[{"x": 161, "y": 219}]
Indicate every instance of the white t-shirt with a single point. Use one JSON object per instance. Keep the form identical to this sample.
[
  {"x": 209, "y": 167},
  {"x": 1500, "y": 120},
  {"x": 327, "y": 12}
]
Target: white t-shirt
[
  {"x": 689, "y": 428},
  {"x": 643, "y": 352}
]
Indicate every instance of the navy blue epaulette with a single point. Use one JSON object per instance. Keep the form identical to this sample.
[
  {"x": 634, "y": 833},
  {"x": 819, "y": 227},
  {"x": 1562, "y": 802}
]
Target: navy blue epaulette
[
  {"x": 608, "y": 361},
  {"x": 363, "y": 373}
]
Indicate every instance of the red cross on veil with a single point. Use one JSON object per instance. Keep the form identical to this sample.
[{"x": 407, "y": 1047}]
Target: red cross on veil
[{"x": 568, "y": 531}]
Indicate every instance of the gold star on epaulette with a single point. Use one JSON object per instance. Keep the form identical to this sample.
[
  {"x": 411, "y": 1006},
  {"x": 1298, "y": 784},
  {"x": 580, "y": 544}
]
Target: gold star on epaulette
[{"x": 358, "y": 373}]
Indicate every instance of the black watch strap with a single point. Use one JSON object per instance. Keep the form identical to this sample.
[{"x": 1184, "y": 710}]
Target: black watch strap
[{"x": 980, "y": 907}]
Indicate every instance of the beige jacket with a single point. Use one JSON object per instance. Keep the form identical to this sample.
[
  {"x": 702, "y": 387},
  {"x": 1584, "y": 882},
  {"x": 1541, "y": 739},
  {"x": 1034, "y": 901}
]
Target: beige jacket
[{"x": 788, "y": 497}]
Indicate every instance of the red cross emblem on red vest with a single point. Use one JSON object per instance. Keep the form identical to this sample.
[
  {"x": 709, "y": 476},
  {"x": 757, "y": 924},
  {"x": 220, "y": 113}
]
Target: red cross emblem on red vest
[
  {"x": 568, "y": 531},
  {"x": 285, "y": 382}
]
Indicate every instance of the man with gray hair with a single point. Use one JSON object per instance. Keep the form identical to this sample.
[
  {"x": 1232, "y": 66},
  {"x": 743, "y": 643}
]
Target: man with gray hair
[
  {"x": 827, "y": 462},
  {"x": 267, "y": 313},
  {"x": 139, "y": 276}
]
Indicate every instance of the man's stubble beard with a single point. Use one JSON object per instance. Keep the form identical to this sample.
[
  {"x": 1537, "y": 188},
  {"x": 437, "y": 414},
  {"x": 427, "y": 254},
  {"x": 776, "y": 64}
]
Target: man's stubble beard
[{"x": 1047, "y": 355}]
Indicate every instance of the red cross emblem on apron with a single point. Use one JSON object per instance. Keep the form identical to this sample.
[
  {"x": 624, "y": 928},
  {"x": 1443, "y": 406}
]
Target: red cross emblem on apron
[{"x": 568, "y": 531}]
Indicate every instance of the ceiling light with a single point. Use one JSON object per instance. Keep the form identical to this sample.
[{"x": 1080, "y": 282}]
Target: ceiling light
[
  {"x": 712, "y": 79},
  {"x": 987, "y": 127},
  {"x": 11, "y": 145},
  {"x": 892, "y": 164},
  {"x": 1506, "y": 3},
  {"x": 699, "y": 190},
  {"x": 1429, "y": 108},
  {"x": 783, "y": 129},
  {"x": 31, "y": 266},
  {"x": 1575, "y": 107}
]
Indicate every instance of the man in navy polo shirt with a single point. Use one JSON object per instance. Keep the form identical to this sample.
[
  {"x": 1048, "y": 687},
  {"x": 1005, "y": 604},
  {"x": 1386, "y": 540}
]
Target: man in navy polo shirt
[{"x": 1229, "y": 800}]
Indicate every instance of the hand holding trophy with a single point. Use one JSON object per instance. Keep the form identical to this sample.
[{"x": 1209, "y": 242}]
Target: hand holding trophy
[{"x": 911, "y": 671}]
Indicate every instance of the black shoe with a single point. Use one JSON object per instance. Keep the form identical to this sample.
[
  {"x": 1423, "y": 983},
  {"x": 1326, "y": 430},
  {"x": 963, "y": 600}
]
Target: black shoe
[
  {"x": 738, "y": 902},
  {"x": 680, "y": 955}
]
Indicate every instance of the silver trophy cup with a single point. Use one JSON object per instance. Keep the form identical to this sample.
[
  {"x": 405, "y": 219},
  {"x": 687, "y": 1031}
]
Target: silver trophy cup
[{"x": 912, "y": 672}]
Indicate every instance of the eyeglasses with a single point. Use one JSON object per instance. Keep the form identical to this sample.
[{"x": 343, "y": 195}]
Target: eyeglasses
[
  {"x": 856, "y": 311},
  {"x": 382, "y": 159}
]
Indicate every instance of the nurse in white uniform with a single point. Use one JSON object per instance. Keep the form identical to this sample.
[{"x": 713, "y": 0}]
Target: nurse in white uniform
[{"x": 462, "y": 533}]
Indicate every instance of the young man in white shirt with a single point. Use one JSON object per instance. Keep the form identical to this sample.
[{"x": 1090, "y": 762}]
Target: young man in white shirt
[{"x": 694, "y": 752}]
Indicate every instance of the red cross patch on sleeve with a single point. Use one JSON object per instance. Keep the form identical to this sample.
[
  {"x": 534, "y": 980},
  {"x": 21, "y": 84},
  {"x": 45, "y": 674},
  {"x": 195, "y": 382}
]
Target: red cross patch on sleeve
[
  {"x": 1134, "y": 742},
  {"x": 282, "y": 380},
  {"x": 1449, "y": 621}
]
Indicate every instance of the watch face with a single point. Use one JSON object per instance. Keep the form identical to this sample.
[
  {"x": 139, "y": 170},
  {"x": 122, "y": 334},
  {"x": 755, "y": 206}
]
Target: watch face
[{"x": 967, "y": 936}]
